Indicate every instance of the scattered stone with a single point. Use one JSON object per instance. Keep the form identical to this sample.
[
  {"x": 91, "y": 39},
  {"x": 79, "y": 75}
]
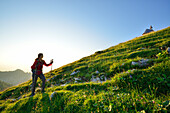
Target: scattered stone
[
  {"x": 103, "y": 78},
  {"x": 93, "y": 79},
  {"x": 134, "y": 63},
  {"x": 48, "y": 79},
  {"x": 13, "y": 100},
  {"x": 52, "y": 95},
  {"x": 130, "y": 76},
  {"x": 19, "y": 97},
  {"x": 75, "y": 72},
  {"x": 38, "y": 90},
  {"x": 97, "y": 72},
  {"x": 77, "y": 79},
  {"x": 168, "y": 50},
  {"x": 93, "y": 76},
  {"x": 63, "y": 85},
  {"x": 98, "y": 79},
  {"x": 142, "y": 62}
]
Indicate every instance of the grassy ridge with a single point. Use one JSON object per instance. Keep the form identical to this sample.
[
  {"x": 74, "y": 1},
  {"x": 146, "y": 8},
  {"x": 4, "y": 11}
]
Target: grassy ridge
[{"x": 129, "y": 88}]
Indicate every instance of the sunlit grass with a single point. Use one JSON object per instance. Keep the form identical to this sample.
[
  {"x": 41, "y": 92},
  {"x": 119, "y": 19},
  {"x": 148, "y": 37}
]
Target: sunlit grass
[{"x": 129, "y": 88}]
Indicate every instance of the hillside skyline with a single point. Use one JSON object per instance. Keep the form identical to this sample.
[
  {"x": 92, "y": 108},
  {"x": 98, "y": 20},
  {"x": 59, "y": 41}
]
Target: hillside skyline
[
  {"x": 132, "y": 76},
  {"x": 15, "y": 70},
  {"x": 14, "y": 77}
]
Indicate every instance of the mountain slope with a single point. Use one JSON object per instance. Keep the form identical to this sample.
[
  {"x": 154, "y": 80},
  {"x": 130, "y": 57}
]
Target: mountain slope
[
  {"x": 130, "y": 77},
  {"x": 4, "y": 85}
]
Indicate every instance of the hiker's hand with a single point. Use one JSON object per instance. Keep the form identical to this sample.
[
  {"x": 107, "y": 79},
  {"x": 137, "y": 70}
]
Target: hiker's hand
[{"x": 51, "y": 61}]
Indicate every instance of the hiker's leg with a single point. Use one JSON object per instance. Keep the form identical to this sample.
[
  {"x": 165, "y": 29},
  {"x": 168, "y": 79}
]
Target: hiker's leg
[
  {"x": 42, "y": 77},
  {"x": 34, "y": 84},
  {"x": 33, "y": 74}
]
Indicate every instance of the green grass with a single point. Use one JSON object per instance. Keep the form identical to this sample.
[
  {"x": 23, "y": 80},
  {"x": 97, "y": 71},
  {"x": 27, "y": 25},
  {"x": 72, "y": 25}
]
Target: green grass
[{"x": 129, "y": 88}]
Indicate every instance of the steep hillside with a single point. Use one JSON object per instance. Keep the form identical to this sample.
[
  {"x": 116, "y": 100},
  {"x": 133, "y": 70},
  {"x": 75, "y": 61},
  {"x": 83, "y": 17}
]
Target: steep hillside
[
  {"x": 4, "y": 85},
  {"x": 130, "y": 77},
  {"x": 14, "y": 77}
]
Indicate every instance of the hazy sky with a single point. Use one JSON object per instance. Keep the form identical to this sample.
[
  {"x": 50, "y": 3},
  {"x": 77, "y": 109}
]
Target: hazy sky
[{"x": 67, "y": 30}]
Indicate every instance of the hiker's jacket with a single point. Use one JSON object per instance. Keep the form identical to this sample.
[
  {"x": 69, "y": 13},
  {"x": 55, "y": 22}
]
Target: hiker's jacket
[{"x": 38, "y": 65}]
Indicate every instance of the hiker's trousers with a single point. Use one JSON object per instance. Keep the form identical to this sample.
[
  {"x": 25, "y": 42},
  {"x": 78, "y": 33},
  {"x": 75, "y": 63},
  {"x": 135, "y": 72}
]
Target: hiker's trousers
[{"x": 34, "y": 81}]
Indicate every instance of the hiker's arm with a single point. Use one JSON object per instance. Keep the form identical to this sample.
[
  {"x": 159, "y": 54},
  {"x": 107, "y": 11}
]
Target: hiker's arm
[{"x": 48, "y": 64}]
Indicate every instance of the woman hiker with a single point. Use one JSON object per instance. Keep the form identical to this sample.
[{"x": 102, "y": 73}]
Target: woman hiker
[{"x": 37, "y": 72}]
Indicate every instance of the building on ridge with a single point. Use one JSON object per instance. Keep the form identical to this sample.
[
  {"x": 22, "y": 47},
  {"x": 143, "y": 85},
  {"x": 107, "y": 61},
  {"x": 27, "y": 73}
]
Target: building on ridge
[{"x": 148, "y": 30}]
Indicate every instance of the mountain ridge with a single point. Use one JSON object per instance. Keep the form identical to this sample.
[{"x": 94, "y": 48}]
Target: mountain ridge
[
  {"x": 14, "y": 77},
  {"x": 132, "y": 76}
]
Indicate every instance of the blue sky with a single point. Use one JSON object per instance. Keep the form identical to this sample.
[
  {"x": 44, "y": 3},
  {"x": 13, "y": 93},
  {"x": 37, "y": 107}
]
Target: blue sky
[{"x": 67, "y": 30}]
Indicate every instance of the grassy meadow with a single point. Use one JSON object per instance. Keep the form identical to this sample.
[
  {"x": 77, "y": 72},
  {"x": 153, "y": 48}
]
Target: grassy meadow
[{"x": 133, "y": 76}]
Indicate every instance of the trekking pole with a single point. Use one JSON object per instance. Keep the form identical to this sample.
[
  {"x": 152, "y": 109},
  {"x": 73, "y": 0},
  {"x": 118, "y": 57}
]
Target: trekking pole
[{"x": 51, "y": 69}]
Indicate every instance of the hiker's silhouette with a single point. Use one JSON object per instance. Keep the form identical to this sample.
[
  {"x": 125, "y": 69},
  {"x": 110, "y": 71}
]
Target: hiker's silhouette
[{"x": 37, "y": 72}]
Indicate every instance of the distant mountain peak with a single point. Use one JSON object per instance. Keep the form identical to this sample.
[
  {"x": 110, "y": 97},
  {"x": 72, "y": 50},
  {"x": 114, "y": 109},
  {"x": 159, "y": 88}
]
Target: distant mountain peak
[{"x": 19, "y": 70}]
